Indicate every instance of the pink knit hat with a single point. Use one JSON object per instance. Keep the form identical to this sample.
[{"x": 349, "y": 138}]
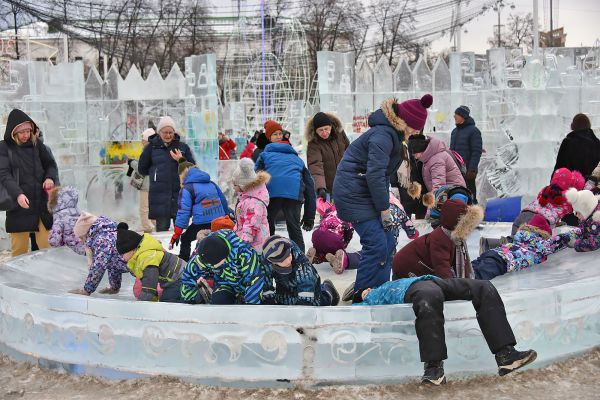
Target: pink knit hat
[
  {"x": 541, "y": 223},
  {"x": 414, "y": 111},
  {"x": 84, "y": 223},
  {"x": 565, "y": 179}
]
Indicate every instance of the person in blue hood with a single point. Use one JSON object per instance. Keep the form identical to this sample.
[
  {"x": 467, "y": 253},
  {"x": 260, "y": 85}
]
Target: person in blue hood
[
  {"x": 466, "y": 141},
  {"x": 199, "y": 198},
  {"x": 360, "y": 188}
]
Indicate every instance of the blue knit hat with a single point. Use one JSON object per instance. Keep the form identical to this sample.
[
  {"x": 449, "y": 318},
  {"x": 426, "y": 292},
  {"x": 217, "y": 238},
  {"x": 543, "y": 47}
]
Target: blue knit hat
[{"x": 463, "y": 111}]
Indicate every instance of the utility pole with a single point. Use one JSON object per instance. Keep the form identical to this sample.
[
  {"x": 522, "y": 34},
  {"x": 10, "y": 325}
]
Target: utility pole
[
  {"x": 14, "y": 11},
  {"x": 500, "y": 4}
]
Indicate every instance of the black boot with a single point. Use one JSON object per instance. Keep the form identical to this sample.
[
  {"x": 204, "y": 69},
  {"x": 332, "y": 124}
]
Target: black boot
[
  {"x": 509, "y": 359},
  {"x": 434, "y": 373},
  {"x": 330, "y": 288}
]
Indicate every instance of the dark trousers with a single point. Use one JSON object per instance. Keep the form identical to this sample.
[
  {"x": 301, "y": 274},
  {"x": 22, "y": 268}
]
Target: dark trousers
[
  {"x": 473, "y": 188},
  {"x": 223, "y": 295},
  {"x": 291, "y": 212},
  {"x": 378, "y": 248},
  {"x": 164, "y": 224},
  {"x": 427, "y": 298},
  {"x": 489, "y": 265},
  {"x": 171, "y": 293},
  {"x": 185, "y": 243}
]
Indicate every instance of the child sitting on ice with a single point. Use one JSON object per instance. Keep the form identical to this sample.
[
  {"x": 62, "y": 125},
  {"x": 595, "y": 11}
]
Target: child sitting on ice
[
  {"x": 531, "y": 245},
  {"x": 586, "y": 237},
  {"x": 333, "y": 235},
  {"x": 62, "y": 203},
  {"x": 297, "y": 282},
  {"x": 427, "y": 295},
  {"x": 442, "y": 252},
  {"x": 251, "y": 224},
  {"x": 199, "y": 198},
  {"x": 235, "y": 267},
  {"x": 100, "y": 236},
  {"x": 149, "y": 262},
  {"x": 434, "y": 201}
]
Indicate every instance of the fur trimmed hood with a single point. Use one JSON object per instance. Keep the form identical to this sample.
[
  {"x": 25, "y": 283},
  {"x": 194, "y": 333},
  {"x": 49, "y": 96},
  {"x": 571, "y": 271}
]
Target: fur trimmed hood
[
  {"x": 262, "y": 178},
  {"x": 467, "y": 223},
  {"x": 309, "y": 133},
  {"x": 387, "y": 107}
]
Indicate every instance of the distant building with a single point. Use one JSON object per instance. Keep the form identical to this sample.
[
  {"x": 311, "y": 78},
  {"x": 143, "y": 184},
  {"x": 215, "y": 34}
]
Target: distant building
[{"x": 554, "y": 38}]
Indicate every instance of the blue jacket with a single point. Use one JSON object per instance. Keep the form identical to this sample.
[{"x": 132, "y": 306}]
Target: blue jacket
[
  {"x": 243, "y": 272},
  {"x": 290, "y": 179},
  {"x": 392, "y": 292},
  {"x": 199, "y": 198},
  {"x": 360, "y": 189},
  {"x": 157, "y": 163},
  {"x": 302, "y": 286},
  {"x": 466, "y": 141}
]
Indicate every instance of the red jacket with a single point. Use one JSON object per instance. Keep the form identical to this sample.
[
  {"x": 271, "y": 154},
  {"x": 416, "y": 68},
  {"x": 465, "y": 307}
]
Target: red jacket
[
  {"x": 435, "y": 252},
  {"x": 248, "y": 150},
  {"x": 225, "y": 149}
]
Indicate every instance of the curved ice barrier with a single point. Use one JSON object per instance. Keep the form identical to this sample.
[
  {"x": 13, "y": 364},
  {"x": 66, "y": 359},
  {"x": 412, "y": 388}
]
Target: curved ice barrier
[{"x": 554, "y": 309}]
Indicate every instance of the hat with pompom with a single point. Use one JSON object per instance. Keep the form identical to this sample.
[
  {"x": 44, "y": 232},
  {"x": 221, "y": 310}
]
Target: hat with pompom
[
  {"x": 244, "y": 173},
  {"x": 127, "y": 240},
  {"x": 565, "y": 179},
  {"x": 414, "y": 111},
  {"x": 583, "y": 201}
]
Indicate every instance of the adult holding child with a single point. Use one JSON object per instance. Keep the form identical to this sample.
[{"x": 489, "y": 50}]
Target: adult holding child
[
  {"x": 27, "y": 171},
  {"x": 160, "y": 161}
]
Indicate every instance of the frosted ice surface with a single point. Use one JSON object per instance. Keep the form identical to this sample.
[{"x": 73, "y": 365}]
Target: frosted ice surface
[
  {"x": 363, "y": 103},
  {"x": 422, "y": 76},
  {"x": 336, "y": 85},
  {"x": 403, "y": 81},
  {"x": 94, "y": 85},
  {"x": 441, "y": 76},
  {"x": 113, "y": 81},
  {"x": 155, "y": 84},
  {"x": 133, "y": 86},
  {"x": 534, "y": 74},
  {"x": 572, "y": 77},
  {"x": 497, "y": 65},
  {"x": 382, "y": 82},
  {"x": 175, "y": 83}
]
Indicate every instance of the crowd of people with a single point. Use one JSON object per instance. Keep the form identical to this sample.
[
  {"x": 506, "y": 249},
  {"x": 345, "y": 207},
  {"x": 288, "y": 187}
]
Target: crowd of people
[{"x": 370, "y": 187}]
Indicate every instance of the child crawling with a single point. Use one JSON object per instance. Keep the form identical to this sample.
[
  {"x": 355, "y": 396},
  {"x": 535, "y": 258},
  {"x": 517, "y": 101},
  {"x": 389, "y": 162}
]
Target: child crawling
[{"x": 427, "y": 294}]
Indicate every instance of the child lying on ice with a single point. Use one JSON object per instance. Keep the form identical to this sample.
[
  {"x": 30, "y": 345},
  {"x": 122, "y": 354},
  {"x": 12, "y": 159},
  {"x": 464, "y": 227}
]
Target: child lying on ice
[
  {"x": 586, "y": 237},
  {"x": 427, "y": 295},
  {"x": 531, "y": 245},
  {"x": 297, "y": 282}
]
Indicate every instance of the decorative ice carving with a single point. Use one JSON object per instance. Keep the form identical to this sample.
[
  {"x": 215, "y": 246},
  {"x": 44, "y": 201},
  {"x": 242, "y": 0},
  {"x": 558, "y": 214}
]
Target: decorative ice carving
[{"x": 422, "y": 76}]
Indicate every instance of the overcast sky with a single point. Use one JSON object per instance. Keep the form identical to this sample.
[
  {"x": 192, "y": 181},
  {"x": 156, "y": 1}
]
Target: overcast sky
[{"x": 580, "y": 18}]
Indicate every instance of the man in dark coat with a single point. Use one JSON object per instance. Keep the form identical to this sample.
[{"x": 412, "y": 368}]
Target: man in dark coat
[
  {"x": 466, "y": 141},
  {"x": 361, "y": 186},
  {"x": 27, "y": 171},
  {"x": 159, "y": 161}
]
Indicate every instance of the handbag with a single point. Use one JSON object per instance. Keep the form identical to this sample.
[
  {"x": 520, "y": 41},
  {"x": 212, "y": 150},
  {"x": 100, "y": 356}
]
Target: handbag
[{"x": 7, "y": 203}]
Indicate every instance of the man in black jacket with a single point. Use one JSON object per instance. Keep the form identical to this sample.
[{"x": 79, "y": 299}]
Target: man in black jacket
[{"x": 466, "y": 141}]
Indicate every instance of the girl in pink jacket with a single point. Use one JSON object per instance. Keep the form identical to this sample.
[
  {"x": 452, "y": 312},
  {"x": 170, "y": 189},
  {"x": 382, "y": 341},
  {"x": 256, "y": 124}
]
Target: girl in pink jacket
[{"x": 251, "y": 224}]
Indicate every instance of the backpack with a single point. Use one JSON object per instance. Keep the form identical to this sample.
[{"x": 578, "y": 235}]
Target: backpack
[{"x": 460, "y": 163}]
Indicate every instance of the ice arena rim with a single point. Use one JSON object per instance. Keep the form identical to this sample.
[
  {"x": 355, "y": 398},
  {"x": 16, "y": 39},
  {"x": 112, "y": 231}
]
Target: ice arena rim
[{"x": 554, "y": 309}]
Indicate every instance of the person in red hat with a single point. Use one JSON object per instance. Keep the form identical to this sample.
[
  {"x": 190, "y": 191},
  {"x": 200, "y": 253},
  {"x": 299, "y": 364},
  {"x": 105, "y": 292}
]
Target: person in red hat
[
  {"x": 361, "y": 185},
  {"x": 532, "y": 245}
]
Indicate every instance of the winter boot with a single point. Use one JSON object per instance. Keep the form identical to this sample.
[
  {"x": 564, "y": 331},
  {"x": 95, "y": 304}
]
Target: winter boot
[
  {"x": 434, "y": 373},
  {"x": 338, "y": 262},
  {"x": 329, "y": 288},
  {"x": 204, "y": 292},
  {"x": 348, "y": 293},
  {"x": 310, "y": 254},
  {"x": 509, "y": 359}
]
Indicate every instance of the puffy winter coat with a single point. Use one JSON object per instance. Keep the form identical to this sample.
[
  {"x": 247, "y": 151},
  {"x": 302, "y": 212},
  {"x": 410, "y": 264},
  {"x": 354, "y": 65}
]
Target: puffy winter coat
[
  {"x": 360, "y": 188},
  {"x": 579, "y": 151},
  {"x": 290, "y": 179},
  {"x": 243, "y": 272},
  {"x": 301, "y": 287},
  {"x": 435, "y": 253},
  {"x": 33, "y": 164},
  {"x": 153, "y": 265},
  {"x": 588, "y": 233},
  {"x": 251, "y": 224},
  {"x": 552, "y": 212},
  {"x": 324, "y": 155},
  {"x": 157, "y": 163},
  {"x": 62, "y": 202},
  {"x": 102, "y": 240},
  {"x": 248, "y": 151},
  {"x": 439, "y": 168},
  {"x": 466, "y": 141},
  {"x": 392, "y": 292},
  {"x": 199, "y": 198}
]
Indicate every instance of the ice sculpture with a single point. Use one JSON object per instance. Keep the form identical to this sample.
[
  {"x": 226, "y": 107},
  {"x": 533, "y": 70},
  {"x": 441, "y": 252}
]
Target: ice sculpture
[
  {"x": 261, "y": 345},
  {"x": 175, "y": 83},
  {"x": 363, "y": 102},
  {"x": 113, "y": 82},
  {"x": 94, "y": 85},
  {"x": 133, "y": 86},
  {"x": 441, "y": 76},
  {"x": 497, "y": 64},
  {"x": 336, "y": 85},
  {"x": 462, "y": 70},
  {"x": 534, "y": 74},
  {"x": 403, "y": 81},
  {"x": 422, "y": 77},
  {"x": 382, "y": 81}
]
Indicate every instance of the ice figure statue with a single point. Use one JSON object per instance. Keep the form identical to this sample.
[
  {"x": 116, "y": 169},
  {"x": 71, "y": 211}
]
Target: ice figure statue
[
  {"x": 534, "y": 74},
  {"x": 497, "y": 65},
  {"x": 462, "y": 70}
]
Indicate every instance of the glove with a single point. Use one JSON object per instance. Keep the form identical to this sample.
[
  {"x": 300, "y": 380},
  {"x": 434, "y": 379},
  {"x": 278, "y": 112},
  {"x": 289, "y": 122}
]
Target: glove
[
  {"x": 471, "y": 174},
  {"x": 175, "y": 237},
  {"x": 322, "y": 193},
  {"x": 308, "y": 224},
  {"x": 386, "y": 219}
]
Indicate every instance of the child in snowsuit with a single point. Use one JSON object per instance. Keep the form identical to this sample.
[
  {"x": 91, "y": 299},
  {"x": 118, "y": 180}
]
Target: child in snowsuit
[
  {"x": 149, "y": 262},
  {"x": 100, "y": 236},
  {"x": 531, "y": 245},
  {"x": 435, "y": 200},
  {"x": 251, "y": 223},
  {"x": 297, "y": 282},
  {"x": 427, "y": 294},
  {"x": 291, "y": 185},
  {"x": 551, "y": 202},
  {"x": 593, "y": 181},
  {"x": 235, "y": 267},
  {"x": 62, "y": 203},
  {"x": 442, "y": 252},
  {"x": 199, "y": 198},
  {"x": 586, "y": 237}
]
